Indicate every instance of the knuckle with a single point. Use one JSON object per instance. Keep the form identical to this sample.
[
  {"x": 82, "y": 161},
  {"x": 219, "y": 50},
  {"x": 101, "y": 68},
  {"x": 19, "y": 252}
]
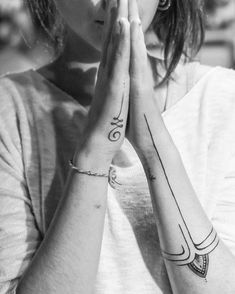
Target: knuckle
[{"x": 118, "y": 54}]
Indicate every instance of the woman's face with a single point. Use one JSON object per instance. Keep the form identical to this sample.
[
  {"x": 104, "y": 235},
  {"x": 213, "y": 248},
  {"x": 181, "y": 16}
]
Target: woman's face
[{"x": 85, "y": 17}]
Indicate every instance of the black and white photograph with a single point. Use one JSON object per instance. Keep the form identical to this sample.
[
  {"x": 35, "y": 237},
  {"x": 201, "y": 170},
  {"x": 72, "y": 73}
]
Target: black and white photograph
[{"x": 117, "y": 146}]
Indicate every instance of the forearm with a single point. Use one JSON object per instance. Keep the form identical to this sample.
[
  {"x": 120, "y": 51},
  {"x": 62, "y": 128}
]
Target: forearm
[
  {"x": 184, "y": 229},
  {"x": 68, "y": 257}
]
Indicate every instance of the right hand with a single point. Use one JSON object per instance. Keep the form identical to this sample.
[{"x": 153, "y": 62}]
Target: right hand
[{"x": 105, "y": 130}]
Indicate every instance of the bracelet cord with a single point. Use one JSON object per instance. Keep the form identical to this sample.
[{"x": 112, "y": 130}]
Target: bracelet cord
[
  {"x": 111, "y": 175},
  {"x": 88, "y": 172}
]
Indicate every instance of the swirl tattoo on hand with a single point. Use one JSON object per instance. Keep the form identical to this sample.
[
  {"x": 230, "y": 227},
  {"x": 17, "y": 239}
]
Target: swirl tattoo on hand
[{"x": 115, "y": 133}]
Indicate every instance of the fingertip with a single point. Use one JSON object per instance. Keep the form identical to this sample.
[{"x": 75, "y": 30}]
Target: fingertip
[
  {"x": 123, "y": 8},
  {"x": 133, "y": 11}
]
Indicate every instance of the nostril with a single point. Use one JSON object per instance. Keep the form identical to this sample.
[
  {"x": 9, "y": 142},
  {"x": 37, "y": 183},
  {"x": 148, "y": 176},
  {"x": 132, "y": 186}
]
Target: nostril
[{"x": 104, "y": 4}]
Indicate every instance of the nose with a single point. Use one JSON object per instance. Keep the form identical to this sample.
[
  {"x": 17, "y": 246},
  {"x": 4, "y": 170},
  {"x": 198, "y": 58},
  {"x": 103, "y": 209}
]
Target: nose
[{"x": 104, "y": 4}]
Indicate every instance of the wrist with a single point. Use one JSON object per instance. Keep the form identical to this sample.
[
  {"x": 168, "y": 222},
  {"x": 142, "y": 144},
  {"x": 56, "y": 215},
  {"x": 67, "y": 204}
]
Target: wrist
[
  {"x": 89, "y": 158},
  {"x": 166, "y": 149}
]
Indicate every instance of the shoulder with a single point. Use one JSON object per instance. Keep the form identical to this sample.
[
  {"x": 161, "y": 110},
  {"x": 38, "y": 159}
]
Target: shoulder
[
  {"x": 218, "y": 84},
  {"x": 26, "y": 94},
  {"x": 207, "y": 93},
  {"x": 215, "y": 88},
  {"x": 22, "y": 95},
  {"x": 28, "y": 86},
  {"x": 15, "y": 96},
  {"x": 212, "y": 83},
  {"x": 218, "y": 73},
  {"x": 15, "y": 88},
  {"x": 195, "y": 72},
  {"x": 13, "y": 112}
]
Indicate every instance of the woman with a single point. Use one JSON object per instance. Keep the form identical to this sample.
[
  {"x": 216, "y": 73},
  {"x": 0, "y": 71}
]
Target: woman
[{"x": 155, "y": 232}]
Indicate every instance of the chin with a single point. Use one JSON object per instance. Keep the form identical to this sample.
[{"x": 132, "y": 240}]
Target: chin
[
  {"x": 96, "y": 41},
  {"x": 93, "y": 36},
  {"x": 96, "y": 44}
]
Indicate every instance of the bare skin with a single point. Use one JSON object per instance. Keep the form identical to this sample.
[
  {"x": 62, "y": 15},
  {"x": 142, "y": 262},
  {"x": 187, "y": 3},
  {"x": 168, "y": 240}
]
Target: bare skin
[
  {"x": 68, "y": 257},
  {"x": 195, "y": 257},
  {"x": 187, "y": 237}
]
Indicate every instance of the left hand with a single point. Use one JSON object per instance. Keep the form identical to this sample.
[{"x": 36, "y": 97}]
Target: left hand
[{"x": 144, "y": 112}]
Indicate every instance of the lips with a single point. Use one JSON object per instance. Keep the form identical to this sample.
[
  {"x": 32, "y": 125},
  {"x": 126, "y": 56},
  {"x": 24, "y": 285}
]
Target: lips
[{"x": 100, "y": 22}]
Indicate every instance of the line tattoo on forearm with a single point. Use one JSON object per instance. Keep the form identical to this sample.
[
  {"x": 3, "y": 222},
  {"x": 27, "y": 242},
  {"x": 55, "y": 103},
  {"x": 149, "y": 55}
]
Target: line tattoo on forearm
[
  {"x": 115, "y": 133},
  {"x": 194, "y": 255}
]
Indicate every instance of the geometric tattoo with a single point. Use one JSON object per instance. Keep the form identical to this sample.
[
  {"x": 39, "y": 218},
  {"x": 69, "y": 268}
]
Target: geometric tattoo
[
  {"x": 194, "y": 255},
  {"x": 115, "y": 134}
]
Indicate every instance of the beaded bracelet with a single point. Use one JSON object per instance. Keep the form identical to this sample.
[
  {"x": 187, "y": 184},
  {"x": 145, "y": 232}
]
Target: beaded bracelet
[{"x": 111, "y": 174}]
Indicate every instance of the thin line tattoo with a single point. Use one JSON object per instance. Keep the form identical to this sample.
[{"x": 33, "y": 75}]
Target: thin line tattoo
[
  {"x": 115, "y": 134},
  {"x": 194, "y": 255}
]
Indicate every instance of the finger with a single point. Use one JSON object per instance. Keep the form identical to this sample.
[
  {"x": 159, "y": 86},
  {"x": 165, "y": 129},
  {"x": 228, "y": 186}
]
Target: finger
[
  {"x": 111, "y": 5},
  {"x": 119, "y": 54},
  {"x": 114, "y": 48},
  {"x": 115, "y": 84},
  {"x": 119, "y": 10},
  {"x": 111, "y": 14},
  {"x": 119, "y": 61},
  {"x": 133, "y": 11},
  {"x": 138, "y": 60},
  {"x": 138, "y": 48},
  {"x": 122, "y": 9},
  {"x": 112, "y": 91},
  {"x": 117, "y": 75}
]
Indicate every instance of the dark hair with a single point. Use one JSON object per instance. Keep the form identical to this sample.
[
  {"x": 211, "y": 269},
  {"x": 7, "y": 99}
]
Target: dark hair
[
  {"x": 46, "y": 18},
  {"x": 180, "y": 28}
]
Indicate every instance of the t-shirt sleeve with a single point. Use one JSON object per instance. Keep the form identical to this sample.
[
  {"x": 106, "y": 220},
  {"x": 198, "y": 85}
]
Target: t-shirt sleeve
[
  {"x": 224, "y": 214},
  {"x": 19, "y": 236},
  {"x": 221, "y": 164}
]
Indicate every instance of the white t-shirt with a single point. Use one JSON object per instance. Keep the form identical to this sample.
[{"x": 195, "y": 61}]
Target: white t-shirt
[{"x": 39, "y": 129}]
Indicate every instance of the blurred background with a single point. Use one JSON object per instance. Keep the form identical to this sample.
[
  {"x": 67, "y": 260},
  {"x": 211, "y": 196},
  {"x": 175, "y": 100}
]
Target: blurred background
[{"x": 23, "y": 45}]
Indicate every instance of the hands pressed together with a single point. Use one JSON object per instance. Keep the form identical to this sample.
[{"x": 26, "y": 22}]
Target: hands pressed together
[{"x": 123, "y": 104}]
